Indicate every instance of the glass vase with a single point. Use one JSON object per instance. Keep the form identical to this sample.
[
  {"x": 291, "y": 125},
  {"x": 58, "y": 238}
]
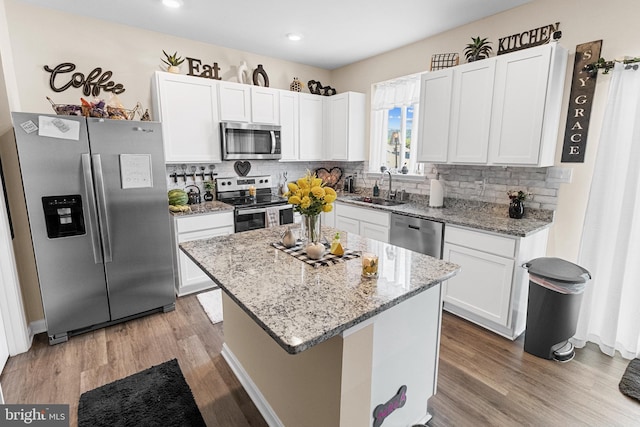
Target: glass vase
[{"x": 310, "y": 229}]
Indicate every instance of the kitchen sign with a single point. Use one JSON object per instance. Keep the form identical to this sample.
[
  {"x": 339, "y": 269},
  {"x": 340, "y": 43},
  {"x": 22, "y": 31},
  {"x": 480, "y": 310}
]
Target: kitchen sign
[
  {"x": 583, "y": 86},
  {"x": 91, "y": 84},
  {"x": 527, "y": 39}
]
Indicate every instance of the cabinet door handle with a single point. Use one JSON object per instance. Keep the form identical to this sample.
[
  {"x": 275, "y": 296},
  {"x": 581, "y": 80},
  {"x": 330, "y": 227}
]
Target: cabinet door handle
[{"x": 414, "y": 227}]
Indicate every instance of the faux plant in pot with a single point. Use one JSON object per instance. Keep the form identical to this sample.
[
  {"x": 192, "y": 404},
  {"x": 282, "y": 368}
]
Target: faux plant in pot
[
  {"x": 209, "y": 186},
  {"x": 173, "y": 62},
  {"x": 478, "y": 49}
]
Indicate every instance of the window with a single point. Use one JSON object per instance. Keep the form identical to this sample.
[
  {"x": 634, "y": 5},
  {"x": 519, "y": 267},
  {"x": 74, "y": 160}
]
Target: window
[{"x": 394, "y": 113}]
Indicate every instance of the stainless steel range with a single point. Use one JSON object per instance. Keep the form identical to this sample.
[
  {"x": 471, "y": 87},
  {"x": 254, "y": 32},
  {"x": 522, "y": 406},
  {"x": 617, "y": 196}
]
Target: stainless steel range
[{"x": 255, "y": 205}]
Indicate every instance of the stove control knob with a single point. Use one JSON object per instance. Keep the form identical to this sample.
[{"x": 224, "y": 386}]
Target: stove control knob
[{"x": 228, "y": 182}]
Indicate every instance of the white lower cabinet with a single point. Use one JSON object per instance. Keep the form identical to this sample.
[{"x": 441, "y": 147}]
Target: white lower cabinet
[
  {"x": 492, "y": 287},
  {"x": 365, "y": 222},
  {"x": 189, "y": 277}
]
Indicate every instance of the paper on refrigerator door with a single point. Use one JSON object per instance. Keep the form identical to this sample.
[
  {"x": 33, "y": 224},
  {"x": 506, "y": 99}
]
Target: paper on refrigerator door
[{"x": 55, "y": 127}]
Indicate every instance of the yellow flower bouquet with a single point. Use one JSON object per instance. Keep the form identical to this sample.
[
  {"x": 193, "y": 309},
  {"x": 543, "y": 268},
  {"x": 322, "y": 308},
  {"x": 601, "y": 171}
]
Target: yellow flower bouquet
[{"x": 309, "y": 197}]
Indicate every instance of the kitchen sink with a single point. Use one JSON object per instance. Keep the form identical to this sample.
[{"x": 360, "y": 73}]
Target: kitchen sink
[{"x": 380, "y": 201}]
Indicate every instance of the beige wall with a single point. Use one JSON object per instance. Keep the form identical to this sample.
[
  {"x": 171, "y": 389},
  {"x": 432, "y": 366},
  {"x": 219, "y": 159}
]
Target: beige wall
[
  {"x": 581, "y": 21},
  {"x": 41, "y": 37}
]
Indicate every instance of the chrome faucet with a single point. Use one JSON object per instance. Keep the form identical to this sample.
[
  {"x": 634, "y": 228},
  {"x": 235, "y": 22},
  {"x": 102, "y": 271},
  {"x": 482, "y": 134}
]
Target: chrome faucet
[{"x": 391, "y": 194}]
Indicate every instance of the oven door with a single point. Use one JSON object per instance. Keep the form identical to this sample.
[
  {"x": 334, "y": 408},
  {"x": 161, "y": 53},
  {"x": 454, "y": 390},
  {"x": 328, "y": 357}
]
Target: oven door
[{"x": 255, "y": 218}]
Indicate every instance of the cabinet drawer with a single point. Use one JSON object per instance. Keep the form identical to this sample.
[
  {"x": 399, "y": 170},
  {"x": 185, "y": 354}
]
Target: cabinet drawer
[
  {"x": 363, "y": 214},
  {"x": 503, "y": 246},
  {"x": 203, "y": 222}
]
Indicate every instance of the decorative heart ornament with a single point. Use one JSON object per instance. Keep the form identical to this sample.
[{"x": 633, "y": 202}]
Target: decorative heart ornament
[
  {"x": 329, "y": 177},
  {"x": 242, "y": 168}
]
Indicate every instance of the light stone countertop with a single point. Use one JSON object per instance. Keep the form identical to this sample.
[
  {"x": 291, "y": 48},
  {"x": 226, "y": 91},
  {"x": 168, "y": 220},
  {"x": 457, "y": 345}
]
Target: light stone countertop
[
  {"x": 491, "y": 217},
  {"x": 300, "y": 306},
  {"x": 204, "y": 208}
]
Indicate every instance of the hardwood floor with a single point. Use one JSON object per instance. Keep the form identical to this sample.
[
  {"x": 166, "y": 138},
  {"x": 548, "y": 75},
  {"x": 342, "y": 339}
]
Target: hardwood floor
[{"x": 485, "y": 380}]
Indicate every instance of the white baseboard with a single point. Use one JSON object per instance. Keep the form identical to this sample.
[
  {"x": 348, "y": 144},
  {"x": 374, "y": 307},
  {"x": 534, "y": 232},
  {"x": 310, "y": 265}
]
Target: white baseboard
[
  {"x": 37, "y": 327},
  {"x": 252, "y": 390}
]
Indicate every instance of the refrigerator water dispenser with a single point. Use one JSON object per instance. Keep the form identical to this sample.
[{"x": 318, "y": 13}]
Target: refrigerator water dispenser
[{"x": 63, "y": 216}]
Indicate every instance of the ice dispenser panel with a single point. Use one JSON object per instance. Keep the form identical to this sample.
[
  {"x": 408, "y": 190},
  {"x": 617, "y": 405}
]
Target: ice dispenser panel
[{"x": 63, "y": 215}]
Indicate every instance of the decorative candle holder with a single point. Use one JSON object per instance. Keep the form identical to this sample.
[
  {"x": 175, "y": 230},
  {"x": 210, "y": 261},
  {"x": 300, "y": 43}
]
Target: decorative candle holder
[{"x": 369, "y": 265}]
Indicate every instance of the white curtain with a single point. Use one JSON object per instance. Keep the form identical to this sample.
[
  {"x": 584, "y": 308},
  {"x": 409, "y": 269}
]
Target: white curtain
[
  {"x": 400, "y": 92},
  {"x": 610, "y": 246}
]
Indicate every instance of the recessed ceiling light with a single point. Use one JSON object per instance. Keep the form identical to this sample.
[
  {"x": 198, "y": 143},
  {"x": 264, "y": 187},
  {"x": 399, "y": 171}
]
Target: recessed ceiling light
[
  {"x": 173, "y": 3},
  {"x": 294, "y": 37}
]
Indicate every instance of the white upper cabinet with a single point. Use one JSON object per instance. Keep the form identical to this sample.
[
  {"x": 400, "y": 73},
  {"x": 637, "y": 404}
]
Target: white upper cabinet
[
  {"x": 345, "y": 127},
  {"x": 235, "y": 102},
  {"x": 436, "y": 90},
  {"x": 265, "y": 105},
  {"x": 188, "y": 109},
  {"x": 289, "y": 125},
  {"x": 471, "y": 112},
  {"x": 249, "y": 104},
  {"x": 526, "y": 106},
  {"x": 311, "y": 108},
  {"x": 503, "y": 110}
]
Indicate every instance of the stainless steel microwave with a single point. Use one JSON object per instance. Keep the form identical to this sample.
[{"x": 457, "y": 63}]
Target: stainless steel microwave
[{"x": 244, "y": 141}]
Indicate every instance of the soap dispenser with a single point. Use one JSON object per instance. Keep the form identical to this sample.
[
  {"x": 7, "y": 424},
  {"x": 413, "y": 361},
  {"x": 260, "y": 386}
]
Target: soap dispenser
[{"x": 376, "y": 190}]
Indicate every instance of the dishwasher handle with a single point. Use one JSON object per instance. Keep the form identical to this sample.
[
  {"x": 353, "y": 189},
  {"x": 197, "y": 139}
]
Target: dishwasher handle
[{"x": 415, "y": 227}]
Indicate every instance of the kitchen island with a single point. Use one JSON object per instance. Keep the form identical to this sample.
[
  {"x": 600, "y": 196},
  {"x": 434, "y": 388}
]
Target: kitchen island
[{"x": 322, "y": 346}]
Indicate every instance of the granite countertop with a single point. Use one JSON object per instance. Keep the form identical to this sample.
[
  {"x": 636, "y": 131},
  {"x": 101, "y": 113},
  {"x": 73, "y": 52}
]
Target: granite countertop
[
  {"x": 492, "y": 217},
  {"x": 205, "y": 208},
  {"x": 300, "y": 306}
]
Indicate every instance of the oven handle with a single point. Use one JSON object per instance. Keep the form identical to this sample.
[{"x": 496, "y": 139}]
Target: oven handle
[{"x": 260, "y": 210}]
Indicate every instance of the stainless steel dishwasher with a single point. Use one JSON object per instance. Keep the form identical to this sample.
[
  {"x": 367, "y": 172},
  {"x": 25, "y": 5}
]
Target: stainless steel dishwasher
[{"x": 419, "y": 235}]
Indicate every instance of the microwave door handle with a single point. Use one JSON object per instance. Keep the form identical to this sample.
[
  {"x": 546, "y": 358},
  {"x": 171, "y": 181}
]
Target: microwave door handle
[
  {"x": 91, "y": 214},
  {"x": 102, "y": 208},
  {"x": 273, "y": 142}
]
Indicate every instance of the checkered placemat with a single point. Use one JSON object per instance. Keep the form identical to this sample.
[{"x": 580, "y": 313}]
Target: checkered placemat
[{"x": 328, "y": 259}]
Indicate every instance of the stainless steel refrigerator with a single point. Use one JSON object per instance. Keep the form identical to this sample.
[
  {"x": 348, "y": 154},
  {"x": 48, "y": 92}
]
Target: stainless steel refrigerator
[{"x": 96, "y": 197}]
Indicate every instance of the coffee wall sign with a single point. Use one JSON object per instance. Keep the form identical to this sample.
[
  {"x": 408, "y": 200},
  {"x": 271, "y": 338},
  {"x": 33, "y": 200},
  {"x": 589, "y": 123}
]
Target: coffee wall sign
[
  {"x": 536, "y": 37},
  {"x": 91, "y": 84},
  {"x": 583, "y": 86}
]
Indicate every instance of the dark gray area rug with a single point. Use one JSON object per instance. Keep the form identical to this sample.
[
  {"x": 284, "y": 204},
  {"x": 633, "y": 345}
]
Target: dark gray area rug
[
  {"x": 630, "y": 382},
  {"x": 158, "y": 396}
]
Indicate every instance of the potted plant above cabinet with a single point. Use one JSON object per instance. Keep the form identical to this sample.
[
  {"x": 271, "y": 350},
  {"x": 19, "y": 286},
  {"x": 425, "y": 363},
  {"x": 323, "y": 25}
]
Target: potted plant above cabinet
[{"x": 478, "y": 49}]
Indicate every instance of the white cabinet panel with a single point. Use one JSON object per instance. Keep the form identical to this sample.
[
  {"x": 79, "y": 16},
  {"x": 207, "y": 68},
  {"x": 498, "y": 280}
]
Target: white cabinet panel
[
  {"x": 311, "y": 109},
  {"x": 289, "y": 118},
  {"x": 345, "y": 127},
  {"x": 483, "y": 286},
  {"x": 471, "y": 112},
  {"x": 435, "y": 115},
  {"x": 265, "y": 105},
  {"x": 235, "y": 102},
  {"x": 190, "y": 278},
  {"x": 519, "y": 106},
  {"x": 370, "y": 223},
  {"x": 188, "y": 109}
]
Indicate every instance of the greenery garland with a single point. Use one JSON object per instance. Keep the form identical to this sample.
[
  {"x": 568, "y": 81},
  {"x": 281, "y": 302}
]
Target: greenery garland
[{"x": 603, "y": 64}]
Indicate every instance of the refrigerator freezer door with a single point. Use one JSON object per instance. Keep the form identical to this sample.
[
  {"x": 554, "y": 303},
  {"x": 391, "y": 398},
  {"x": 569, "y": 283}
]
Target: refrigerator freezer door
[
  {"x": 70, "y": 272},
  {"x": 131, "y": 192}
]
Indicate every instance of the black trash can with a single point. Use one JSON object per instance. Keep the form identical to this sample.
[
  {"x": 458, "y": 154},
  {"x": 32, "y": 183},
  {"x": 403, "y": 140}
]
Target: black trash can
[{"x": 555, "y": 293}]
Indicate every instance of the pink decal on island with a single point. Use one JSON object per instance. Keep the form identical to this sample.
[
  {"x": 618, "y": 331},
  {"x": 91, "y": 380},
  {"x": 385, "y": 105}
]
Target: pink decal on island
[{"x": 384, "y": 410}]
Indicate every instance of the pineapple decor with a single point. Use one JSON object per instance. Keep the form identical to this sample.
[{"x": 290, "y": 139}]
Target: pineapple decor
[
  {"x": 296, "y": 85},
  {"x": 173, "y": 62}
]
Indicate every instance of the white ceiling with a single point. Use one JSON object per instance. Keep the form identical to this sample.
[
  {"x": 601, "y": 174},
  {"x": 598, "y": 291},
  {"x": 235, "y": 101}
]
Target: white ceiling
[{"x": 335, "y": 32}]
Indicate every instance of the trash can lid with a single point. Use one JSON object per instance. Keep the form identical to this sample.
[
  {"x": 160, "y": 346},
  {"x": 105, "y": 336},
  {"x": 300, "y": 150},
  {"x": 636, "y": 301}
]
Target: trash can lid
[{"x": 557, "y": 269}]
